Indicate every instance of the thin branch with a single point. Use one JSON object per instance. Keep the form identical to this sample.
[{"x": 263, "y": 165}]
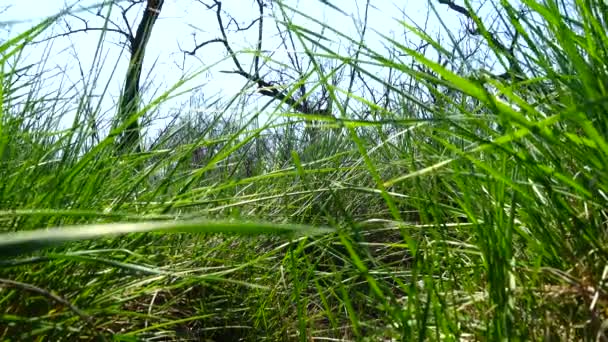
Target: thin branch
[
  {"x": 357, "y": 54},
  {"x": 269, "y": 89},
  {"x": 86, "y": 29},
  {"x": 514, "y": 67},
  {"x": 124, "y": 18},
  {"x": 265, "y": 88},
  {"x": 238, "y": 28},
  {"x": 203, "y": 44}
]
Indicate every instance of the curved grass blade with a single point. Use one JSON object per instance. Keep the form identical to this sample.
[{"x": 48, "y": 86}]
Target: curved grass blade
[{"x": 12, "y": 244}]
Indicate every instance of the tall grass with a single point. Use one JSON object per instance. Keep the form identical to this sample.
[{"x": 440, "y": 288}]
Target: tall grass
[{"x": 480, "y": 215}]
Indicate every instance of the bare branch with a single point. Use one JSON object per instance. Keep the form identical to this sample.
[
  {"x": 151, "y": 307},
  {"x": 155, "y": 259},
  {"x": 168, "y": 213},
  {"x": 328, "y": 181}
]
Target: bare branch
[
  {"x": 271, "y": 90},
  {"x": 70, "y": 31},
  {"x": 86, "y": 29},
  {"x": 513, "y": 69},
  {"x": 238, "y": 28},
  {"x": 266, "y": 88},
  {"x": 203, "y": 44}
]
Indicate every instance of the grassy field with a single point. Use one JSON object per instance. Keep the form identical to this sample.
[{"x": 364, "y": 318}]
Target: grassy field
[{"x": 481, "y": 215}]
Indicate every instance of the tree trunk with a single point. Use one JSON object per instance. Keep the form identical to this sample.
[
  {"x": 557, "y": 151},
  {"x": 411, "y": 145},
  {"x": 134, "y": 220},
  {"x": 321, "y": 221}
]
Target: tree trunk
[{"x": 129, "y": 140}]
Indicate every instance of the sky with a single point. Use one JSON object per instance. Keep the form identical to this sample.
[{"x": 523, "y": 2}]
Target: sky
[{"x": 184, "y": 22}]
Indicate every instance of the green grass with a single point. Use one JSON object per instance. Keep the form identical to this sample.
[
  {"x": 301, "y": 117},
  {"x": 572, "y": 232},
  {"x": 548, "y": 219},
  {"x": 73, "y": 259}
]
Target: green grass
[{"x": 479, "y": 216}]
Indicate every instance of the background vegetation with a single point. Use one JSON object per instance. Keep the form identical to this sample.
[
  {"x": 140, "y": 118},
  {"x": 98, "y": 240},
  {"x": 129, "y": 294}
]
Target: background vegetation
[{"x": 457, "y": 194}]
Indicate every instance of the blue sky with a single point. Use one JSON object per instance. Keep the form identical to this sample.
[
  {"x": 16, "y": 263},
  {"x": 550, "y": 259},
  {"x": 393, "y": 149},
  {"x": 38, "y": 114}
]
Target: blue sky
[{"x": 181, "y": 21}]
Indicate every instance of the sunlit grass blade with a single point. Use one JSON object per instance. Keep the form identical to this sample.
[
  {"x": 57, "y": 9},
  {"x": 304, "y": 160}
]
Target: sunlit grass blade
[{"x": 17, "y": 243}]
